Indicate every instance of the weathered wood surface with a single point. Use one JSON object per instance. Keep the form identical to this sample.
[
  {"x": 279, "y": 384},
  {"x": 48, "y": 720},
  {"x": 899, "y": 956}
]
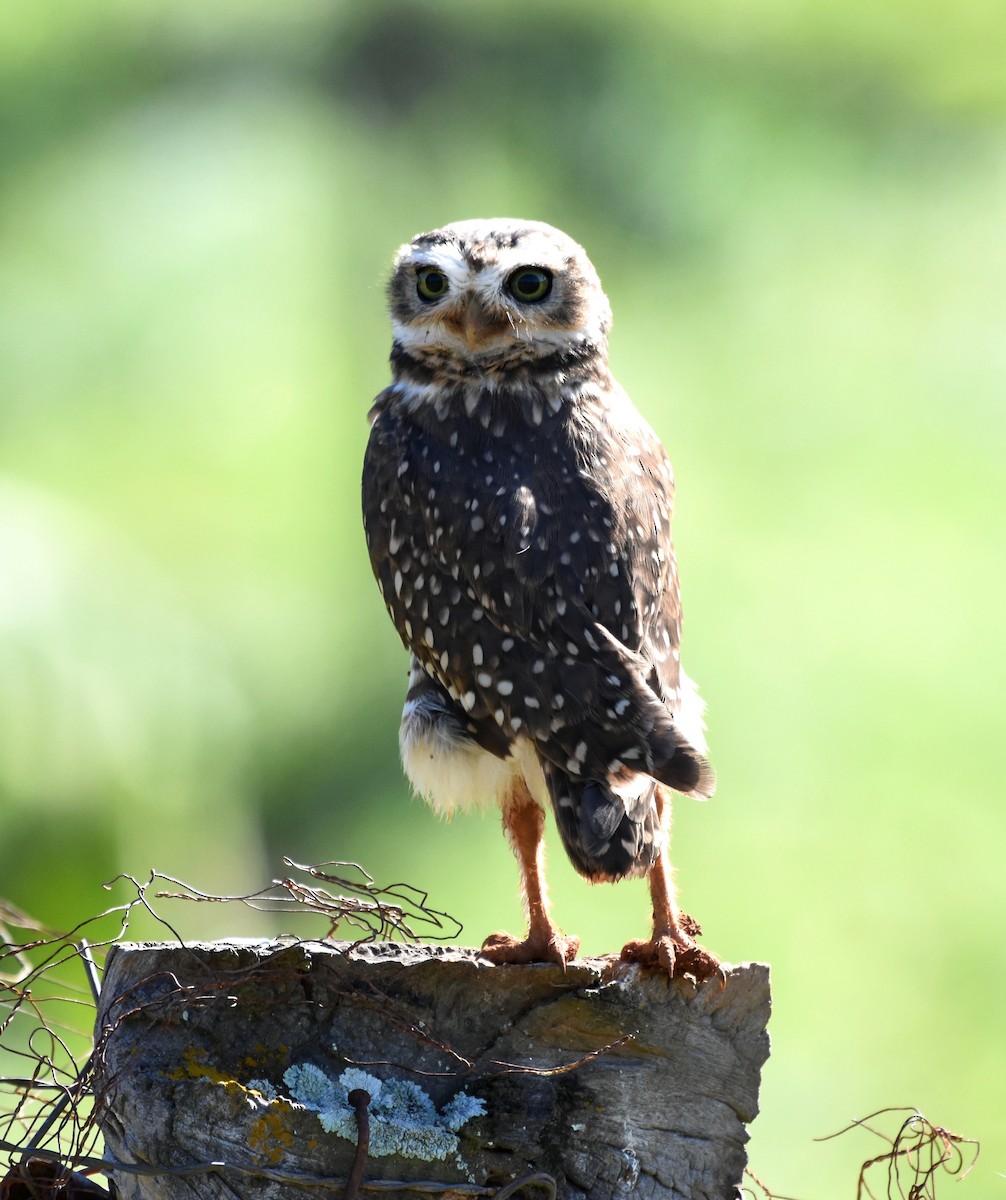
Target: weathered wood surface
[{"x": 196, "y": 1045}]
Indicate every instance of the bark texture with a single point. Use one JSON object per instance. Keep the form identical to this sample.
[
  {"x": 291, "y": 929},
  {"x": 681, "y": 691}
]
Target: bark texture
[{"x": 237, "y": 1053}]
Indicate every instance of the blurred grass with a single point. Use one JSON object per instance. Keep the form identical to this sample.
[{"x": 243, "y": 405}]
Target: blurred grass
[{"x": 798, "y": 214}]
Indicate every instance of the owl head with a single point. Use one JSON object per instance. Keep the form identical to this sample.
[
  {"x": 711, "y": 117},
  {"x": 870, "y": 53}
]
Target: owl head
[{"x": 495, "y": 288}]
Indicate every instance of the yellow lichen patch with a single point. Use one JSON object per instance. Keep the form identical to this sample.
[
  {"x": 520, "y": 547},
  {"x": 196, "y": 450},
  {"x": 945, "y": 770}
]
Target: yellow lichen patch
[
  {"x": 269, "y": 1135},
  {"x": 199, "y": 1068},
  {"x": 195, "y": 1066},
  {"x": 262, "y": 1058}
]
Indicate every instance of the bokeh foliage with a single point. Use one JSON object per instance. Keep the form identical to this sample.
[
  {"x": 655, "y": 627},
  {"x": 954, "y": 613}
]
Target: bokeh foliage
[{"x": 799, "y": 214}]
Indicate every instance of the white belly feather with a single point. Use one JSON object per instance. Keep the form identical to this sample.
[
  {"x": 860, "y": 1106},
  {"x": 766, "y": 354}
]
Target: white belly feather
[{"x": 451, "y": 774}]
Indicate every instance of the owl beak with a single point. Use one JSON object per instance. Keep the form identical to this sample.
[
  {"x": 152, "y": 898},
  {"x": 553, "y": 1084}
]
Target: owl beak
[{"x": 474, "y": 324}]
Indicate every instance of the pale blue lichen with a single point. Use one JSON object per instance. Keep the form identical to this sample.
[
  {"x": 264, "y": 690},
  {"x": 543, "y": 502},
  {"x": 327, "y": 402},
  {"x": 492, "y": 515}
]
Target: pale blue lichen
[
  {"x": 263, "y": 1087},
  {"x": 403, "y": 1118},
  {"x": 312, "y": 1087},
  {"x": 462, "y": 1108}
]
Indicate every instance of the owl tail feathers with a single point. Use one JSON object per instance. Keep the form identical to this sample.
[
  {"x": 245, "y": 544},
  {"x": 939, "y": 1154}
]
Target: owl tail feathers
[
  {"x": 685, "y": 770},
  {"x": 610, "y": 831},
  {"x": 649, "y": 739}
]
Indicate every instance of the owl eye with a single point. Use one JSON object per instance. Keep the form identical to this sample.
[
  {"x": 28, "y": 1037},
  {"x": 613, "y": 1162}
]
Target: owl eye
[
  {"x": 431, "y": 284},
  {"x": 530, "y": 284}
]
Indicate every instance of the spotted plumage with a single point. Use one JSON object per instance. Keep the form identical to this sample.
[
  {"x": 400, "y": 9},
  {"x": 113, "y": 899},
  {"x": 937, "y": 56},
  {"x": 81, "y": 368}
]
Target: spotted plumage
[{"x": 518, "y": 516}]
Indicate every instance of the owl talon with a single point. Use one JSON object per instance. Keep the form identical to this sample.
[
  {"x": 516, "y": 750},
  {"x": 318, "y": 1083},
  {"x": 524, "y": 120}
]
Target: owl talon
[
  {"x": 502, "y": 948},
  {"x": 674, "y": 957}
]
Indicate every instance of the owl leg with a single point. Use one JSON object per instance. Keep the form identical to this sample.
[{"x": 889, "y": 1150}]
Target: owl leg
[
  {"x": 673, "y": 947},
  {"x": 524, "y": 826}
]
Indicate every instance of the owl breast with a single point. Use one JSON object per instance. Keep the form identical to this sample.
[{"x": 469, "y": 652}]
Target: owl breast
[{"x": 518, "y": 547}]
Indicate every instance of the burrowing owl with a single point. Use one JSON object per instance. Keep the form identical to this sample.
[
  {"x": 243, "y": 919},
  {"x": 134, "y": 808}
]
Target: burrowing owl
[{"x": 518, "y": 515}]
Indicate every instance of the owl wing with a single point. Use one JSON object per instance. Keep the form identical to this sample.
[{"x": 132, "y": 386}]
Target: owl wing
[{"x": 514, "y": 567}]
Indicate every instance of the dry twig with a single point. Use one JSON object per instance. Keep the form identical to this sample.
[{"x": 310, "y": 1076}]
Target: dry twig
[
  {"x": 919, "y": 1151},
  {"x": 49, "y": 983}
]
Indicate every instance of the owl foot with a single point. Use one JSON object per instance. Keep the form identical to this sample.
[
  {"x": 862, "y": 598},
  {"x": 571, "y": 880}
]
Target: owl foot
[
  {"x": 505, "y": 948},
  {"x": 675, "y": 956}
]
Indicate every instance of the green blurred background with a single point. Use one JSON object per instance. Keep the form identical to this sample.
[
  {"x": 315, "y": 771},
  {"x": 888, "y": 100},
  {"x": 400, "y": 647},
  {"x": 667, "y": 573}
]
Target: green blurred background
[{"x": 799, "y": 213}]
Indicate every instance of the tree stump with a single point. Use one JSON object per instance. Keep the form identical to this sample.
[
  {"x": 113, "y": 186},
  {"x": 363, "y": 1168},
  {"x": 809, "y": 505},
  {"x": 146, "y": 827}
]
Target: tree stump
[{"x": 239, "y": 1069}]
